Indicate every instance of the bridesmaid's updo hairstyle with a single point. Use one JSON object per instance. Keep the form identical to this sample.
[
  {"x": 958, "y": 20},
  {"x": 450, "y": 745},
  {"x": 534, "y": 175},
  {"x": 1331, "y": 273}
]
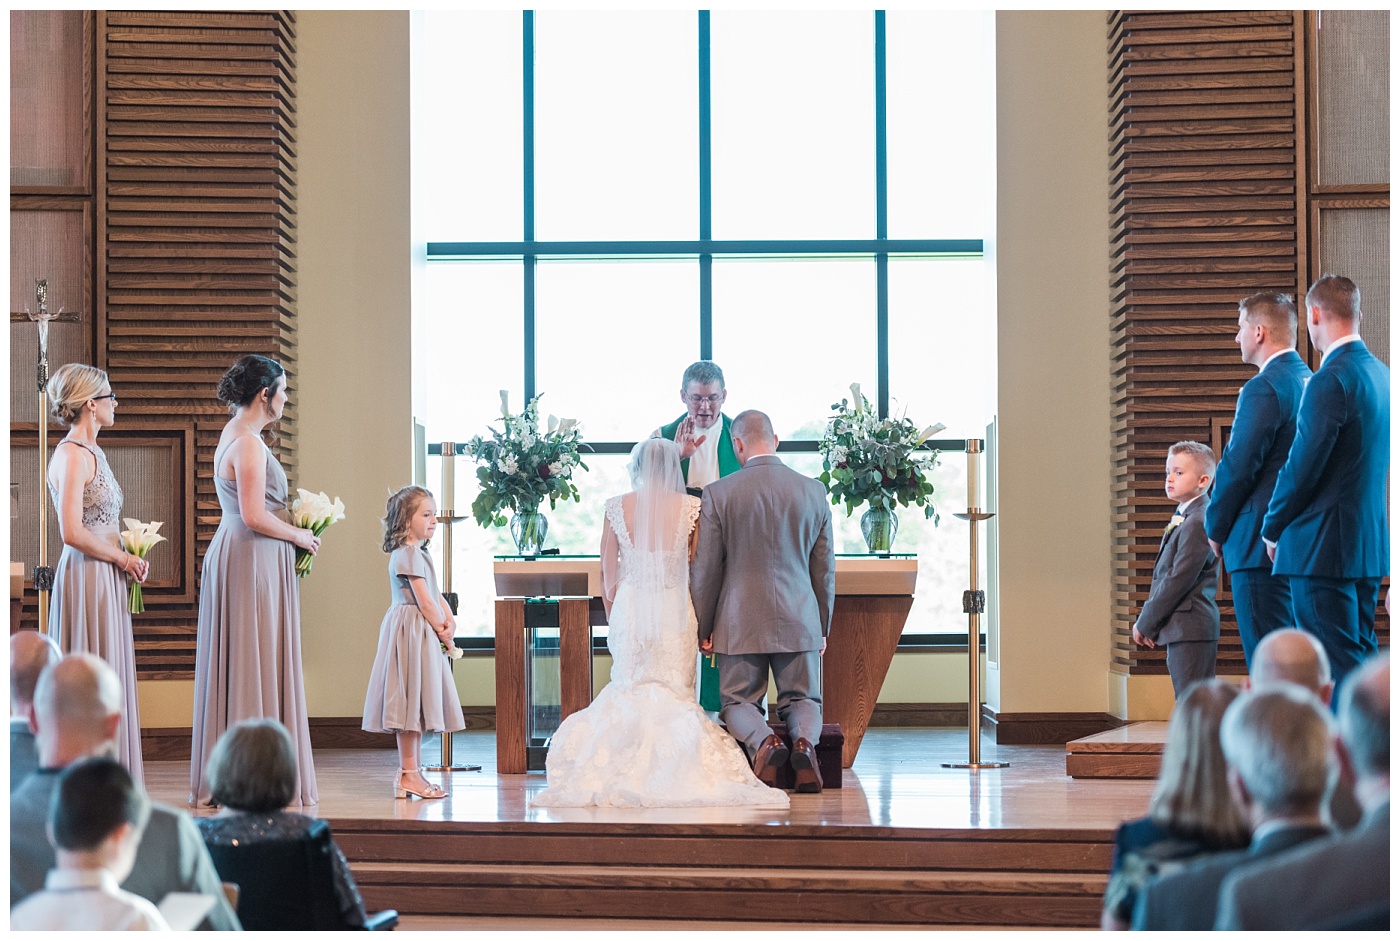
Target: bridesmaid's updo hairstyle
[
  {"x": 399, "y": 511},
  {"x": 71, "y": 387},
  {"x": 246, "y": 379}
]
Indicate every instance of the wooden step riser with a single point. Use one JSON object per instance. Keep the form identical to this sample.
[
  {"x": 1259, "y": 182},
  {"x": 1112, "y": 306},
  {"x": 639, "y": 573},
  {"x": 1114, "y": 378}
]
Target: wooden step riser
[
  {"x": 1068, "y": 911},
  {"x": 774, "y": 851}
]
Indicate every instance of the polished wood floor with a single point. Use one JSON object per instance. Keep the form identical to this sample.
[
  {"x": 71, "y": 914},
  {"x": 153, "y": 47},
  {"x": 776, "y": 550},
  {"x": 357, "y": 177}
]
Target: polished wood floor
[{"x": 897, "y": 781}]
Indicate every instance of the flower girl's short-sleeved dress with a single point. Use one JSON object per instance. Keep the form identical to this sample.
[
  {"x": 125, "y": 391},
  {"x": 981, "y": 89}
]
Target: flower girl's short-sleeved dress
[{"x": 410, "y": 686}]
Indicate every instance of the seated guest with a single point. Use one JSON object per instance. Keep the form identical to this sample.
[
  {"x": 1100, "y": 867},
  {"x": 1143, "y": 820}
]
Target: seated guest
[
  {"x": 1289, "y": 655},
  {"x": 1331, "y": 881},
  {"x": 1277, "y": 744},
  {"x": 30, "y": 653},
  {"x": 77, "y": 711},
  {"x": 1191, "y": 811},
  {"x": 252, "y": 775},
  {"x": 95, "y": 821}
]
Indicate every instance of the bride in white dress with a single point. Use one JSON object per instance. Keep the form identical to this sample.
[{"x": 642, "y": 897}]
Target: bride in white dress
[{"x": 645, "y": 742}]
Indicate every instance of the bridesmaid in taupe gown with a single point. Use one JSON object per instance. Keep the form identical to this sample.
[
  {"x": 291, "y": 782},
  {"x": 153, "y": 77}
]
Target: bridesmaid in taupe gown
[
  {"x": 248, "y": 654},
  {"x": 89, "y": 610}
]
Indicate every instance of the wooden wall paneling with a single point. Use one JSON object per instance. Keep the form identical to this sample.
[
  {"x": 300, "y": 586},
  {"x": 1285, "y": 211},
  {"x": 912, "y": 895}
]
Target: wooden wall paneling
[
  {"x": 1203, "y": 139},
  {"x": 197, "y": 240},
  {"x": 50, "y": 151}
]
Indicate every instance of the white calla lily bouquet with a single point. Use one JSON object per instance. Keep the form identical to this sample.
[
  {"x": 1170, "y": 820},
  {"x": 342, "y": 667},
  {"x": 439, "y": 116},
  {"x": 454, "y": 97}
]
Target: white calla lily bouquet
[
  {"x": 316, "y": 512},
  {"x": 138, "y": 539}
]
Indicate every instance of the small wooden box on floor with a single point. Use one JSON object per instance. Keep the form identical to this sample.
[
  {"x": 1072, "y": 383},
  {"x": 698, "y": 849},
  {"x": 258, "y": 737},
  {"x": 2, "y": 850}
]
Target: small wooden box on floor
[{"x": 828, "y": 755}]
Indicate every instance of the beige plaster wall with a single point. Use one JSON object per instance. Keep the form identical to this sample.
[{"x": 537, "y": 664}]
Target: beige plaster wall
[
  {"x": 1053, "y": 500},
  {"x": 353, "y": 395},
  {"x": 353, "y": 326}
]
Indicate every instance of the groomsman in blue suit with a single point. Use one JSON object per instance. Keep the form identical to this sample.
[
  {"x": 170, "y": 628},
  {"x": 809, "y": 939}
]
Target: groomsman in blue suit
[
  {"x": 1326, "y": 524},
  {"x": 1265, "y": 420}
]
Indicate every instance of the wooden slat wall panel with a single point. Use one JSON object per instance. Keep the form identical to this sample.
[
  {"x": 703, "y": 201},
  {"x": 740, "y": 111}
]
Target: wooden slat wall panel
[
  {"x": 1208, "y": 165},
  {"x": 197, "y": 179},
  {"x": 1203, "y": 150}
]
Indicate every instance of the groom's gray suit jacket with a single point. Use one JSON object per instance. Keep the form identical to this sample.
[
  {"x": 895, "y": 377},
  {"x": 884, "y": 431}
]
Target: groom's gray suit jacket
[{"x": 764, "y": 575}]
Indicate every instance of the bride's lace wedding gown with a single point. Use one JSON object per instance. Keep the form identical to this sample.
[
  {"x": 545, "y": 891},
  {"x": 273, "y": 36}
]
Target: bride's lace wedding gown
[{"x": 645, "y": 742}]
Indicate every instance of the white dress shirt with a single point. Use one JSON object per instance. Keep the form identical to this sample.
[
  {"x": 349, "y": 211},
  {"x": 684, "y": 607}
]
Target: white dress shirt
[{"x": 85, "y": 900}]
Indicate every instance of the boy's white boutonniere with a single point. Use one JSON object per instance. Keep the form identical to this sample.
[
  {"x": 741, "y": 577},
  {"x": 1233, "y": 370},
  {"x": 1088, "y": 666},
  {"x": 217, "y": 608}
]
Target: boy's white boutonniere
[{"x": 1177, "y": 520}]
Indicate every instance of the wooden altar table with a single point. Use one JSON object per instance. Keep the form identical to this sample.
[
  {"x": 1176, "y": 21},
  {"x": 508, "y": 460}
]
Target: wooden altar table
[{"x": 873, "y": 598}]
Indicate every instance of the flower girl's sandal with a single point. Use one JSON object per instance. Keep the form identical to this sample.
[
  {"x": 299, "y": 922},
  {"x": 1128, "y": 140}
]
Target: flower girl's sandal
[{"x": 426, "y": 791}]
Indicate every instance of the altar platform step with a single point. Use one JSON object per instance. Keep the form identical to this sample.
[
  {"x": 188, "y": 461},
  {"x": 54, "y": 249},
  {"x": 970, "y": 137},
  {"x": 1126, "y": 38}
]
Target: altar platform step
[
  {"x": 1133, "y": 751},
  {"x": 752, "y": 873}
]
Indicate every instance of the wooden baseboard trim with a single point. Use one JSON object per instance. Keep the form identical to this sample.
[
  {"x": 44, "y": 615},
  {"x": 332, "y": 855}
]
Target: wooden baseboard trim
[
  {"x": 929, "y": 715},
  {"x": 1045, "y": 728},
  {"x": 173, "y": 744}
]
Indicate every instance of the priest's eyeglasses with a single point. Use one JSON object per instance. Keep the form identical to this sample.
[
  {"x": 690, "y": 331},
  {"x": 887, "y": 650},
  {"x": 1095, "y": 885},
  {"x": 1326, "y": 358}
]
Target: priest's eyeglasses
[{"x": 697, "y": 399}]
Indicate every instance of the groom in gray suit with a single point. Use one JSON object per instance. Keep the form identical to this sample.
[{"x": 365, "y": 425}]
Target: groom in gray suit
[{"x": 763, "y": 581}]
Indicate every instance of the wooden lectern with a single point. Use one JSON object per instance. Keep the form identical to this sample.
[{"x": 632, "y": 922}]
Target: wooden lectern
[
  {"x": 571, "y": 583},
  {"x": 873, "y": 598}
]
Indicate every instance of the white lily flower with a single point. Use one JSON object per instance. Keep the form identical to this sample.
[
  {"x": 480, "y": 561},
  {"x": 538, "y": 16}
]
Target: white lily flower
[
  {"x": 856, "y": 402},
  {"x": 565, "y": 424},
  {"x": 553, "y": 424},
  {"x": 505, "y": 403},
  {"x": 929, "y": 432}
]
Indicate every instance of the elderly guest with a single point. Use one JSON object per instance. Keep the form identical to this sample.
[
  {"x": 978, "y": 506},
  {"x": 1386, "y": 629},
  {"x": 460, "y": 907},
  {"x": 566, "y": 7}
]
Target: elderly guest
[{"x": 252, "y": 775}]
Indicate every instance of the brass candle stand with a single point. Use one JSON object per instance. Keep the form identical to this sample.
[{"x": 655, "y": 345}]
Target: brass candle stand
[
  {"x": 446, "y": 517},
  {"x": 974, "y": 604}
]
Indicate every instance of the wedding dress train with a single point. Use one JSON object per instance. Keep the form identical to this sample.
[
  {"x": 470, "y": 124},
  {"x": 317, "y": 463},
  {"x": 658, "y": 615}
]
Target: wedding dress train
[{"x": 645, "y": 742}]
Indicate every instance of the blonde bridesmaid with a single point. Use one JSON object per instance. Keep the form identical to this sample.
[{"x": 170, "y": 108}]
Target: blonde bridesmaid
[{"x": 88, "y": 609}]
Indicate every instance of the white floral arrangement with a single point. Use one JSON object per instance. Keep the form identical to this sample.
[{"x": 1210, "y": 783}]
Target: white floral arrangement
[
  {"x": 316, "y": 512},
  {"x": 521, "y": 464},
  {"x": 866, "y": 459},
  {"x": 138, "y": 538}
]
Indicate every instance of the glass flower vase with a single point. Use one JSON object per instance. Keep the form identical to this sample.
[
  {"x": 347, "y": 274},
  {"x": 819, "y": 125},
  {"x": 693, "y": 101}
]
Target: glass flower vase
[
  {"x": 878, "y": 525},
  {"x": 528, "y": 528}
]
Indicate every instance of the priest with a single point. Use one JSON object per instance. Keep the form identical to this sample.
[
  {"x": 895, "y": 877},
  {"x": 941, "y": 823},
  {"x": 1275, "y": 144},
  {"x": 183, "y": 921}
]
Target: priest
[
  {"x": 707, "y": 454},
  {"x": 702, "y": 433}
]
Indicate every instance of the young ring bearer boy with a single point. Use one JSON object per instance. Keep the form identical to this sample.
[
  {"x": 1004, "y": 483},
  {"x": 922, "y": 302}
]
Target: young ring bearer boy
[{"x": 1180, "y": 610}]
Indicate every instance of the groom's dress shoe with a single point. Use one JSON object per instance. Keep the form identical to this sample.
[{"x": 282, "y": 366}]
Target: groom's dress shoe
[
  {"x": 770, "y": 757},
  {"x": 804, "y": 767}
]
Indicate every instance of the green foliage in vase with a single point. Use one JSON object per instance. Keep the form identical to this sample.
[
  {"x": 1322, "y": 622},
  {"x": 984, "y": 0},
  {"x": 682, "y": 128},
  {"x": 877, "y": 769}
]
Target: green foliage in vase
[
  {"x": 522, "y": 465},
  {"x": 866, "y": 459}
]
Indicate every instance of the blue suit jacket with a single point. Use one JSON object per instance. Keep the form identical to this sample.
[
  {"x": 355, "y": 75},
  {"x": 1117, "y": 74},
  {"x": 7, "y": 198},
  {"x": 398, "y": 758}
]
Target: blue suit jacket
[
  {"x": 1265, "y": 421},
  {"x": 1327, "y": 513}
]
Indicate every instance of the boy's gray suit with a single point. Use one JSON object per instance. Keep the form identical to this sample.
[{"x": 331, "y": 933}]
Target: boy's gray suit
[
  {"x": 1180, "y": 611},
  {"x": 764, "y": 582}
]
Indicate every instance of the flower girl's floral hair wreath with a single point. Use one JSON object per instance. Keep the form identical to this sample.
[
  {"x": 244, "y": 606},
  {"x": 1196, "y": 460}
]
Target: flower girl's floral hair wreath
[{"x": 398, "y": 512}]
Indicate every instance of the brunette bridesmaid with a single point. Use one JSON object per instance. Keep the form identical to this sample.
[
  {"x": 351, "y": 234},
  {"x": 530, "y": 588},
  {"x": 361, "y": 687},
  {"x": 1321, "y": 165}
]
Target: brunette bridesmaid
[
  {"x": 248, "y": 654},
  {"x": 88, "y": 609}
]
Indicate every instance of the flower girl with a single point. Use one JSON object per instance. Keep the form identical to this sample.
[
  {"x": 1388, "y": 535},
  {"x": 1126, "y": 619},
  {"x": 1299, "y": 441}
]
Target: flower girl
[{"x": 410, "y": 688}]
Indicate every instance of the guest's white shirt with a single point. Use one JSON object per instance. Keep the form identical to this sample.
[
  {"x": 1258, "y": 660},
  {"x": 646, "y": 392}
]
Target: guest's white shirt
[
  {"x": 85, "y": 900},
  {"x": 1181, "y": 507},
  {"x": 704, "y": 463}
]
